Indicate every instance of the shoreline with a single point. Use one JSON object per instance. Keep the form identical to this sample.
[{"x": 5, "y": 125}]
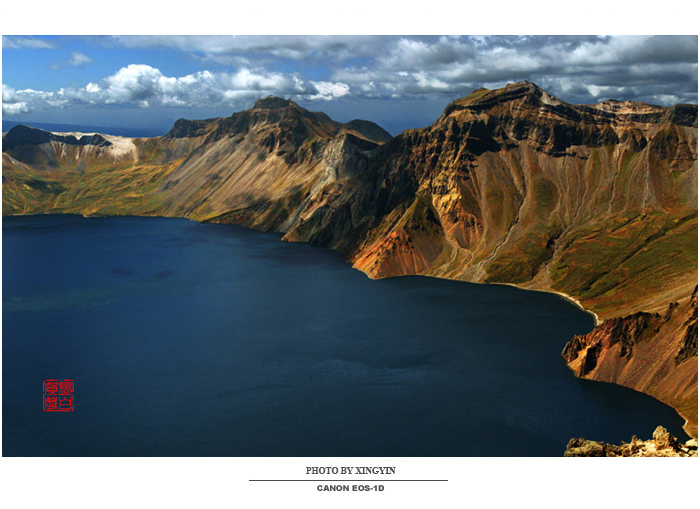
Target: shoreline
[
  {"x": 578, "y": 304},
  {"x": 563, "y": 295},
  {"x": 568, "y": 297}
]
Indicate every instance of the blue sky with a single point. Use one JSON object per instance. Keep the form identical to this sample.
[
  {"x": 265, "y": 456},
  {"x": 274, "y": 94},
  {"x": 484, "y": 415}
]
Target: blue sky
[{"x": 397, "y": 81}]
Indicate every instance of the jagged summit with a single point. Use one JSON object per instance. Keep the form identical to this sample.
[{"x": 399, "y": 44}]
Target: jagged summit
[
  {"x": 524, "y": 98},
  {"x": 522, "y": 91},
  {"x": 273, "y": 103},
  {"x": 184, "y": 128},
  {"x": 284, "y": 115},
  {"x": 524, "y": 111}
]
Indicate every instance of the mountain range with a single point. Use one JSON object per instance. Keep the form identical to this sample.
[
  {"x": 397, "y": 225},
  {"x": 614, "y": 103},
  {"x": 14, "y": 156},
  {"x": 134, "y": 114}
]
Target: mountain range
[{"x": 597, "y": 202}]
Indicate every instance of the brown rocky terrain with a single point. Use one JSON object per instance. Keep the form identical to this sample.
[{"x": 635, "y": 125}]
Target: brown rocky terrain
[
  {"x": 655, "y": 353},
  {"x": 598, "y": 202},
  {"x": 662, "y": 445}
]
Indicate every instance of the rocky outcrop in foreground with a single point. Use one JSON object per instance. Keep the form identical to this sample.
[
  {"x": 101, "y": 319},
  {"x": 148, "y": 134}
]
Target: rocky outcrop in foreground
[{"x": 663, "y": 444}]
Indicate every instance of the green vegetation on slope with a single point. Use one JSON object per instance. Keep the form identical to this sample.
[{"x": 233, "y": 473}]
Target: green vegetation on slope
[
  {"x": 612, "y": 265},
  {"x": 128, "y": 189}
]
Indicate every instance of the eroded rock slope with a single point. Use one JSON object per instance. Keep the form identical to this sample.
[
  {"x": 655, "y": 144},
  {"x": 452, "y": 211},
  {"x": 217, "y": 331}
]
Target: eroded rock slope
[{"x": 508, "y": 186}]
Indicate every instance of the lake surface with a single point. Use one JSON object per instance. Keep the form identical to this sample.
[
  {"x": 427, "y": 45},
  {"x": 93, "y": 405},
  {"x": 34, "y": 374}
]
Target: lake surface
[{"x": 188, "y": 339}]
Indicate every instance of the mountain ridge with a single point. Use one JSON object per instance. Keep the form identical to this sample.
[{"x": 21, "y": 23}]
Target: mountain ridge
[{"x": 513, "y": 185}]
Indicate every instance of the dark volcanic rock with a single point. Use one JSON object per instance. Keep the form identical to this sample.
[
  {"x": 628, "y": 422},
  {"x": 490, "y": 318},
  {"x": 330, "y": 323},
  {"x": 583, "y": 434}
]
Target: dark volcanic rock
[
  {"x": 272, "y": 103},
  {"x": 188, "y": 128},
  {"x": 684, "y": 114}
]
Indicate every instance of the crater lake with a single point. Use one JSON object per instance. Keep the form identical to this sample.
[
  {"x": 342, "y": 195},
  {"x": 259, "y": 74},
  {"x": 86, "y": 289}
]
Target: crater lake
[{"x": 189, "y": 339}]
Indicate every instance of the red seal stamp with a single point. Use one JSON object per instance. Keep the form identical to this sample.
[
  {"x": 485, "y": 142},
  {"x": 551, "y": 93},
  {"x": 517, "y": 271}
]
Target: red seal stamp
[{"x": 58, "y": 395}]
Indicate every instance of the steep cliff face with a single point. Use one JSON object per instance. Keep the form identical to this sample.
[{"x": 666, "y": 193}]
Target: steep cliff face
[
  {"x": 529, "y": 190},
  {"x": 512, "y": 185},
  {"x": 199, "y": 169},
  {"x": 274, "y": 151},
  {"x": 515, "y": 186},
  {"x": 655, "y": 353}
]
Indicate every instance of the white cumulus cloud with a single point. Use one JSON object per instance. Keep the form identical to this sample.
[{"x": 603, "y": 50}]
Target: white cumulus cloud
[
  {"x": 143, "y": 86},
  {"x": 328, "y": 91},
  {"x": 579, "y": 69},
  {"x": 11, "y": 104}
]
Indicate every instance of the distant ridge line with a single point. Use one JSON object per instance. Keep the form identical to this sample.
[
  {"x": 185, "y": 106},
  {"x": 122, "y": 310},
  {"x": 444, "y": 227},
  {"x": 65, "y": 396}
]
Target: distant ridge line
[{"x": 129, "y": 132}]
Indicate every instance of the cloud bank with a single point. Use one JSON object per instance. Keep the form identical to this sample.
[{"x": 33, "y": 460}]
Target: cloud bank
[
  {"x": 145, "y": 86},
  {"x": 579, "y": 69}
]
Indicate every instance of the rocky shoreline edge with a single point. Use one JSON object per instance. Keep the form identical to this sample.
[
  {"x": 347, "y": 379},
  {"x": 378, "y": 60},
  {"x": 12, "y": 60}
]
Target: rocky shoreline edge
[{"x": 661, "y": 445}]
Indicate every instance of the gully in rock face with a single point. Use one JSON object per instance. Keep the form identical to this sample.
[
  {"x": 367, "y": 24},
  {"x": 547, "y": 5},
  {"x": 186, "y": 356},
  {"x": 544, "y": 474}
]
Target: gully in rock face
[{"x": 508, "y": 186}]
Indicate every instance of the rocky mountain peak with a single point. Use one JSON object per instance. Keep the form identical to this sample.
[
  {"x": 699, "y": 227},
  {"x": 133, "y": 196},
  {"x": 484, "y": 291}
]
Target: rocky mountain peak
[
  {"x": 184, "y": 128},
  {"x": 522, "y": 87},
  {"x": 273, "y": 103},
  {"x": 522, "y": 92},
  {"x": 370, "y": 130},
  {"x": 25, "y": 135}
]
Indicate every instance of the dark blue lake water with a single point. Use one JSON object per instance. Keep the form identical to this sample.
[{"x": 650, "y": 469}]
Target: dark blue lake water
[{"x": 188, "y": 339}]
